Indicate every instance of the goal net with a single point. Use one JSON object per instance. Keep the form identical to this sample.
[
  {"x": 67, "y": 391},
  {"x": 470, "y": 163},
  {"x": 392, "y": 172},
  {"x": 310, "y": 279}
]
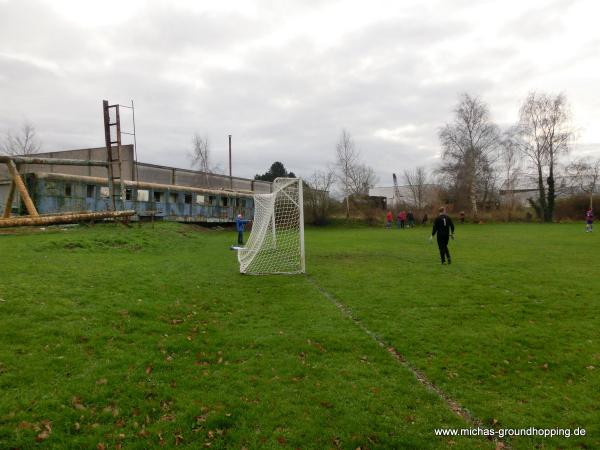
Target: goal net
[{"x": 276, "y": 242}]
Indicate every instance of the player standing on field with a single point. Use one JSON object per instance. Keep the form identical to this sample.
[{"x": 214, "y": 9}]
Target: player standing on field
[
  {"x": 444, "y": 228},
  {"x": 239, "y": 226},
  {"x": 589, "y": 220}
]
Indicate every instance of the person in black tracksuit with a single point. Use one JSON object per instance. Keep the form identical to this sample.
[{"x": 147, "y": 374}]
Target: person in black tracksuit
[{"x": 444, "y": 228}]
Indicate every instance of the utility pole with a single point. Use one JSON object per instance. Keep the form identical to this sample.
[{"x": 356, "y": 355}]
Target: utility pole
[{"x": 230, "y": 177}]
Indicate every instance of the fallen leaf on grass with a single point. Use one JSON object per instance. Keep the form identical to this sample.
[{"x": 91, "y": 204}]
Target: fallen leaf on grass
[
  {"x": 101, "y": 381},
  {"x": 178, "y": 439},
  {"x": 101, "y": 446},
  {"x": 25, "y": 426},
  {"x": 281, "y": 440},
  {"x": 317, "y": 346},
  {"x": 148, "y": 370},
  {"x": 45, "y": 434},
  {"x": 168, "y": 418},
  {"x": 77, "y": 403}
]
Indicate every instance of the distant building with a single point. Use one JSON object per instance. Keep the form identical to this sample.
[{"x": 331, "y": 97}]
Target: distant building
[
  {"x": 526, "y": 186},
  {"x": 151, "y": 190},
  {"x": 386, "y": 195}
]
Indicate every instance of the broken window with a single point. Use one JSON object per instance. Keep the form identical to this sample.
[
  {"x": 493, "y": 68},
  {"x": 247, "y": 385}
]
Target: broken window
[
  {"x": 91, "y": 191},
  {"x": 212, "y": 200},
  {"x": 104, "y": 192},
  {"x": 68, "y": 190},
  {"x": 200, "y": 199},
  {"x": 159, "y": 196},
  {"x": 143, "y": 195},
  {"x": 187, "y": 199},
  {"x": 173, "y": 197},
  {"x": 224, "y": 201}
]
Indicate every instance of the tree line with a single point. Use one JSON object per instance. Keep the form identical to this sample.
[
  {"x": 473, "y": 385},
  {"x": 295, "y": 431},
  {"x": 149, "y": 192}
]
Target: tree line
[
  {"x": 478, "y": 156},
  {"x": 478, "y": 159}
]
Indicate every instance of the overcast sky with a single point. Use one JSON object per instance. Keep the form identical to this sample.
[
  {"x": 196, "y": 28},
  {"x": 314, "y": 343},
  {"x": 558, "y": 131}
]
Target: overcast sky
[{"x": 285, "y": 77}]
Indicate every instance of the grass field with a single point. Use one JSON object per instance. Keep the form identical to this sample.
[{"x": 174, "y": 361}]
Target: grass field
[{"x": 131, "y": 338}]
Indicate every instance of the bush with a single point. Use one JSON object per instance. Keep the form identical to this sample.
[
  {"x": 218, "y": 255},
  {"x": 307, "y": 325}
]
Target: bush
[{"x": 573, "y": 208}]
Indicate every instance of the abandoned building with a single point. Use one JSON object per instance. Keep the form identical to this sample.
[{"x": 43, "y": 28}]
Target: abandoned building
[{"x": 150, "y": 190}]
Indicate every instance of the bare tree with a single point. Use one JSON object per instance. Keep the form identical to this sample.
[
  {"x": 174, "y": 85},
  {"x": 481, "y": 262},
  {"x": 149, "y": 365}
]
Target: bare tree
[
  {"x": 510, "y": 160},
  {"x": 361, "y": 179},
  {"x": 586, "y": 173},
  {"x": 416, "y": 180},
  {"x": 469, "y": 146},
  {"x": 546, "y": 135},
  {"x": 25, "y": 142},
  {"x": 347, "y": 157},
  {"x": 317, "y": 198},
  {"x": 201, "y": 158}
]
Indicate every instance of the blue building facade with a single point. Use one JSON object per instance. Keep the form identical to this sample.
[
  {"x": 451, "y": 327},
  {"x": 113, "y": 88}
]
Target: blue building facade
[{"x": 56, "y": 193}]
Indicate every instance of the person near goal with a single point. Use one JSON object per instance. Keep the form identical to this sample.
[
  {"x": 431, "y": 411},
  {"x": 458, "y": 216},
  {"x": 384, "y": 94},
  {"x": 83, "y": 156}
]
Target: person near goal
[
  {"x": 444, "y": 228},
  {"x": 240, "y": 222}
]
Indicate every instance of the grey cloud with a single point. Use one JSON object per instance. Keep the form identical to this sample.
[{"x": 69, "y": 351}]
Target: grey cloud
[{"x": 286, "y": 101}]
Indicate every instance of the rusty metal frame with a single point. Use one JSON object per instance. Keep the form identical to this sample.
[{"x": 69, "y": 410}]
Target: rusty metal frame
[{"x": 113, "y": 153}]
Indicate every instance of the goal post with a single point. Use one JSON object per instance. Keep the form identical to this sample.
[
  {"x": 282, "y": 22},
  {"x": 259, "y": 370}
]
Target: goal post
[{"x": 276, "y": 242}]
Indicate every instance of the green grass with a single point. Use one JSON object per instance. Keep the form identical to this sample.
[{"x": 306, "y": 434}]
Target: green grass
[{"x": 146, "y": 336}]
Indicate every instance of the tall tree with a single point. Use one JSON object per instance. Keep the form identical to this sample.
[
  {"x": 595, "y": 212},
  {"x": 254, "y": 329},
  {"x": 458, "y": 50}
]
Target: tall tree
[
  {"x": 347, "y": 157},
  {"x": 416, "y": 180},
  {"x": 546, "y": 135},
  {"x": 469, "y": 146},
  {"x": 277, "y": 170},
  {"x": 24, "y": 142}
]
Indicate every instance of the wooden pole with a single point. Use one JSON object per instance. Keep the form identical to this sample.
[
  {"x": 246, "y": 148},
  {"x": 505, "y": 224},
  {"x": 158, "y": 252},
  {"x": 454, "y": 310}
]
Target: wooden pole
[
  {"x": 9, "y": 201},
  {"x": 14, "y": 172},
  {"x": 63, "y": 218}
]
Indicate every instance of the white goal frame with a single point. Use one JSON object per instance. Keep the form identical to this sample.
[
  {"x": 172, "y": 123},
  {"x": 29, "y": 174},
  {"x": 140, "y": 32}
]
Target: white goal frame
[{"x": 276, "y": 242}]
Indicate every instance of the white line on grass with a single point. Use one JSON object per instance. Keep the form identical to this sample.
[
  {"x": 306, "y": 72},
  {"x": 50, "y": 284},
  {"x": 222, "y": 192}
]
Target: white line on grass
[{"x": 454, "y": 406}]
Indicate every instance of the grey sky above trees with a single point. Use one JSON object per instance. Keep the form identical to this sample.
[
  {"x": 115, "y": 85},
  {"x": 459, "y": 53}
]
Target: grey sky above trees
[{"x": 389, "y": 72}]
